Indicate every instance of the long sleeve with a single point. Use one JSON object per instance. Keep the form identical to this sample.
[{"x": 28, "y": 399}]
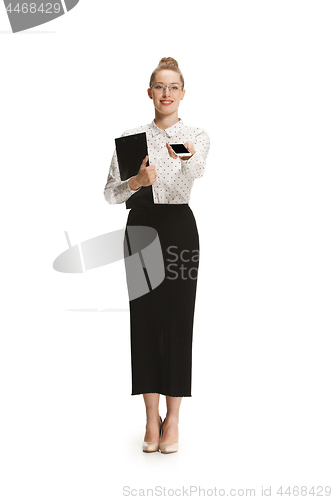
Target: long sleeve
[
  {"x": 195, "y": 166},
  {"x": 116, "y": 190}
]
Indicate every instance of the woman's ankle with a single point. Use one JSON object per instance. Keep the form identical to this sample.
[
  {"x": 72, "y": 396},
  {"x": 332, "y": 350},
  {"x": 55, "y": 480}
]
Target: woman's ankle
[
  {"x": 152, "y": 417},
  {"x": 172, "y": 418}
]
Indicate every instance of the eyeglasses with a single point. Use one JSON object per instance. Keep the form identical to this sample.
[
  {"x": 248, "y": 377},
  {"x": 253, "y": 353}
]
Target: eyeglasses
[{"x": 158, "y": 88}]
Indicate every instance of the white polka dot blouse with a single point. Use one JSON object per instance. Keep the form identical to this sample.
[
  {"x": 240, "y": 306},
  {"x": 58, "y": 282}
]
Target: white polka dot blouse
[{"x": 175, "y": 177}]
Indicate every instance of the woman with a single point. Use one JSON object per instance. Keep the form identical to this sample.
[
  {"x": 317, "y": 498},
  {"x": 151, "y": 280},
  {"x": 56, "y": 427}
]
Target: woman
[{"x": 162, "y": 320}]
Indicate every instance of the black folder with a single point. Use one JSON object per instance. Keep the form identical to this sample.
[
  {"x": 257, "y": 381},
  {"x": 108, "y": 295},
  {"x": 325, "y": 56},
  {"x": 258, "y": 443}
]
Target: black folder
[{"x": 131, "y": 150}]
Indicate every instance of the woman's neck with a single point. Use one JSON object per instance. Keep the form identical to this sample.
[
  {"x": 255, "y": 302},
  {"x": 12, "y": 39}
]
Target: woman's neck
[{"x": 164, "y": 122}]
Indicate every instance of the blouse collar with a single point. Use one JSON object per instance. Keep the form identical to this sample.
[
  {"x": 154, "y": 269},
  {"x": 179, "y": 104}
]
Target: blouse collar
[{"x": 170, "y": 131}]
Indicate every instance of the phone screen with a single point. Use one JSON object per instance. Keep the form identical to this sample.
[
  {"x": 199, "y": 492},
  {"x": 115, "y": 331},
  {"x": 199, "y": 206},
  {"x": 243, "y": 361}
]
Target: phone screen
[{"x": 179, "y": 148}]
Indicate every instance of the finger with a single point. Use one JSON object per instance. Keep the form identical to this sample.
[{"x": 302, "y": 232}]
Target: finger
[
  {"x": 171, "y": 152},
  {"x": 189, "y": 146}
]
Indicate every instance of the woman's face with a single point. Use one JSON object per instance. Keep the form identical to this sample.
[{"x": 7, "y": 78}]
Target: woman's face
[{"x": 166, "y": 102}]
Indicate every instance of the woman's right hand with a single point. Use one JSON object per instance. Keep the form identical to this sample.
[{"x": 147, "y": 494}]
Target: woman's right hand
[{"x": 147, "y": 175}]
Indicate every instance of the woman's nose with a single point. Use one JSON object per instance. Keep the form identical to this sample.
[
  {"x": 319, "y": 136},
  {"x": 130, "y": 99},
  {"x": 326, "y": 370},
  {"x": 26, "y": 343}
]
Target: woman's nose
[{"x": 166, "y": 92}]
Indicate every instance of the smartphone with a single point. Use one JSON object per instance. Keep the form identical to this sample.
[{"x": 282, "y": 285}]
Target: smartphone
[{"x": 180, "y": 150}]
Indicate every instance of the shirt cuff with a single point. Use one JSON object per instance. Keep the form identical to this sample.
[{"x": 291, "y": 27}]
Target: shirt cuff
[
  {"x": 132, "y": 190},
  {"x": 194, "y": 167},
  {"x": 186, "y": 162}
]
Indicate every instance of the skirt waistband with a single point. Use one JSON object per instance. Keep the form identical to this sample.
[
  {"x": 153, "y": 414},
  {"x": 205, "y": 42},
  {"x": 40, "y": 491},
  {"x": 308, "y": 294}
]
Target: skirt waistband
[{"x": 160, "y": 205}]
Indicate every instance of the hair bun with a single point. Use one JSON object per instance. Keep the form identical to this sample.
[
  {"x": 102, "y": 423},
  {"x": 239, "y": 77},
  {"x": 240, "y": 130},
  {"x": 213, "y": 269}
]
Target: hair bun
[{"x": 169, "y": 61}]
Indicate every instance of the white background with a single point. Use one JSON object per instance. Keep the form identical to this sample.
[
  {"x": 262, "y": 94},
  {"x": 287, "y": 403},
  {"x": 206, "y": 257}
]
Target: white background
[{"x": 259, "y": 80}]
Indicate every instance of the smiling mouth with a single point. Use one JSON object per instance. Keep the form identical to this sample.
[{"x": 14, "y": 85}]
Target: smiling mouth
[{"x": 166, "y": 102}]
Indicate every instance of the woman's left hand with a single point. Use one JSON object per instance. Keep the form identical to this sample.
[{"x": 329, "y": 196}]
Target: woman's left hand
[{"x": 188, "y": 145}]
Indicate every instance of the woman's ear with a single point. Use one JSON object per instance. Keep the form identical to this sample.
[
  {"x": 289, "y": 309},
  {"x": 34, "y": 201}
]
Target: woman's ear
[
  {"x": 183, "y": 95},
  {"x": 149, "y": 93}
]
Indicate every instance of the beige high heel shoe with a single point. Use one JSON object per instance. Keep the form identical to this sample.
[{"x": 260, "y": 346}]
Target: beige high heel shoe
[
  {"x": 167, "y": 447},
  {"x": 150, "y": 446}
]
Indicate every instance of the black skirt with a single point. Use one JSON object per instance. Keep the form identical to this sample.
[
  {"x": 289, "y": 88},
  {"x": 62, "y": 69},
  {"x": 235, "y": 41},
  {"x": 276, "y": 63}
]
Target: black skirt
[{"x": 161, "y": 320}]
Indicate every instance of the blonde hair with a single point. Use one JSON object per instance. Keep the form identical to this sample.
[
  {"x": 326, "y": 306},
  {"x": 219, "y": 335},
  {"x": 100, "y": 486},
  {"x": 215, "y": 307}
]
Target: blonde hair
[{"x": 166, "y": 63}]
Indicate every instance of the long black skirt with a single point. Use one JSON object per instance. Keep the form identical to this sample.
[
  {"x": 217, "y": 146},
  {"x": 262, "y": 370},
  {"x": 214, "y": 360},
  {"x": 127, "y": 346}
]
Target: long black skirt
[{"x": 162, "y": 320}]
